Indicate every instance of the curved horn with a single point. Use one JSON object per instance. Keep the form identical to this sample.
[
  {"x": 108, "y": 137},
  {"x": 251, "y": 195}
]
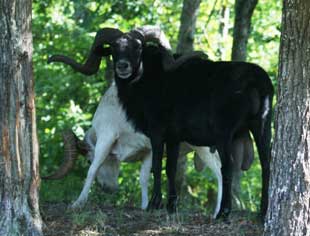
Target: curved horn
[
  {"x": 72, "y": 146},
  {"x": 181, "y": 59},
  {"x": 153, "y": 34},
  {"x": 171, "y": 62},
  {"x": 83, "y": 147},
  {"x": 97, "y": 51}
]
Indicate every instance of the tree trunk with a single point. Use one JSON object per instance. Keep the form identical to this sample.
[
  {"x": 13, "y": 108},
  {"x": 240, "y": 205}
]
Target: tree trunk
[
  {"x": 109, "y": 71},
  {"x": 19, "y": 172},
  {"x": 185, "y": 45},
  {"x": 223, "y": 31},
  {"x": 188, "y": 23},
  {"x": 242, "y": 26},
  {"x": 289, "y": 192}
]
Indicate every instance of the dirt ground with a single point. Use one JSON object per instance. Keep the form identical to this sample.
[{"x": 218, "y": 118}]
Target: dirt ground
[{"x": 128, "y": 221}]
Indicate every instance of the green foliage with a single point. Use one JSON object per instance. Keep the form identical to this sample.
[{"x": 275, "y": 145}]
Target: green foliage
[
  {"x": 66, "y": 99},
  {"x": 263, "y": 44}
]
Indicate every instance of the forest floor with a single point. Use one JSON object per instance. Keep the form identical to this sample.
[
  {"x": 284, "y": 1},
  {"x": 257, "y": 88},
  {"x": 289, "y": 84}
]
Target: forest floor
[{"x": 94, "y": 220}]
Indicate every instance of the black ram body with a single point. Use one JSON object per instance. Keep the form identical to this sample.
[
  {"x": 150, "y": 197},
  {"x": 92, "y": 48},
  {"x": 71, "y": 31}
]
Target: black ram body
[{"x": 203, "y": 103}]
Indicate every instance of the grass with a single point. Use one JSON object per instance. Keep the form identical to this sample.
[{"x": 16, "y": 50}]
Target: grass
[
  {"x": 119, "y": 213},
  {"x": 111, "y": 220}
]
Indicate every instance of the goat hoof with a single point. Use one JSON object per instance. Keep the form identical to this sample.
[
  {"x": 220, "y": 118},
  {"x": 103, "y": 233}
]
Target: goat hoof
[
  {"x": 261, "y": 217},
  {"x": 77, "y": 205},
  {"x": 171, "y": 208},
  {"x": 223, "y": 214},
  {"x": 155, "y": 203},
  {"x": 172, "y": 205}
]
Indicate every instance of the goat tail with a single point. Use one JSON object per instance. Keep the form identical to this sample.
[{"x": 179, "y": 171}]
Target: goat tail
[
  {"x": 262, "y": 135},
  {"x": 266, "y": 111}
]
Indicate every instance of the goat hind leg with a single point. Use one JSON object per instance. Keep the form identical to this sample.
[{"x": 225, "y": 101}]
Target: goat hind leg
[
  {"x": 225, "y": 155},
  {"x": 102, "y": 149},
  {"x": 171, "y": 168},
  {"x": 262, "y": 139}
]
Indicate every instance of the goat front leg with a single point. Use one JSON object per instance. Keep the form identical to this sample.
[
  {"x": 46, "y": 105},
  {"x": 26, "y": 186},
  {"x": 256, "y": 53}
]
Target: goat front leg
[
  {"x": 102, "y": 149},
  {"x": 144, "y": 178},
  {"x": 157, "y": 155},
  {"x": 171, "y": 168}
]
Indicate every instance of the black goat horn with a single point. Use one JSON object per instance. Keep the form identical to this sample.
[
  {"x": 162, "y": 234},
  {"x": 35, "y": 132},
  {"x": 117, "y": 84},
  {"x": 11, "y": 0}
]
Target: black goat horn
[
  {"x": 97, "y": 51},
  {"x": 154, "y": 34},
  {"x": 171, "y": 63}
]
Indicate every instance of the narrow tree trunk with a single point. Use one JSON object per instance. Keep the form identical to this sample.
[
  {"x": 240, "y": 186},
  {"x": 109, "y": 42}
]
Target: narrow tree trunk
[
  {"x": 19, "y": 176},
  {"x": 223, "y": 31},
  {"x": 187, "y": 27},
  {"x": 242, "y": 27},
  {"x": 109, "y": 71},
  {"x": 185, "y": 45},
  {"x": 289, "y": 192}
]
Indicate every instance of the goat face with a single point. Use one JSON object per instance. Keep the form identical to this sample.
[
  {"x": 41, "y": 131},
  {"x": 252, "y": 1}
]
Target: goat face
[{"x": 127, "y": 54}]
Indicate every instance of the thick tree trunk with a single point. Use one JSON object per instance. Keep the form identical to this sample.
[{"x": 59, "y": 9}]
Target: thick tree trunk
[
  {"x": 185, "y": 44},
  {"x": 242, "y": 27},
  {"x": 289, "y": 192},
  {"x": 19, "y": 172}
]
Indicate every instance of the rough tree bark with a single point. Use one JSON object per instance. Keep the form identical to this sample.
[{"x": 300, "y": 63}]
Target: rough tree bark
[
  {"x": 186, "y": 44},
  {"x": 19, "y": 172},
  {"x": 289, "y": 192},
  {"x": 242, "y": 27}
]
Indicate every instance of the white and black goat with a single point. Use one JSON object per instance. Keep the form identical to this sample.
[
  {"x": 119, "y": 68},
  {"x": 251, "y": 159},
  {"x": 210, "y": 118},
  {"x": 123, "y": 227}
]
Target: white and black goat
[
  {"x": 111, "y": 140},
  {"x": 201, "y": 102}
]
